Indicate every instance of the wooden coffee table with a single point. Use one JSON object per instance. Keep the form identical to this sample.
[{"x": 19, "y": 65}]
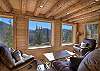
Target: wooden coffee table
[{"x": 52, "y": 56}]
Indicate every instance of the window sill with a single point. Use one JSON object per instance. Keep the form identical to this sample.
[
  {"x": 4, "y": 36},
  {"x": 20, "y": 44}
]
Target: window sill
[
  {"x": 34, "y": 47},
  {"x": 64, "y": 44}
]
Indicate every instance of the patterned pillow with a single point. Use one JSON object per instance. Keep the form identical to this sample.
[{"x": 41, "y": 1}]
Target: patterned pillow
[{"x": 17, "y": 55}]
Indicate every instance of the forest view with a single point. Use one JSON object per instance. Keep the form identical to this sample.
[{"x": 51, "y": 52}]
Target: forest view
[
  {"x": 67, "y": 33},
  {"x": 39, "y": 33},
  {"x": 6, "y": 31}
]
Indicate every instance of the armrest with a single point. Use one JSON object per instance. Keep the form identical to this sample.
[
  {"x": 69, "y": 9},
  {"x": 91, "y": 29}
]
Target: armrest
[
  {"x": 76, "y": 45},
  {"x": 24, "y": 64},
  {"x": 74, "y": 62}
]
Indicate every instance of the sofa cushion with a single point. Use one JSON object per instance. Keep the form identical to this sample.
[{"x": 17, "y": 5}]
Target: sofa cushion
[
  {"x": 5, "y": 56},
  {"x": 61, "y": 65}
]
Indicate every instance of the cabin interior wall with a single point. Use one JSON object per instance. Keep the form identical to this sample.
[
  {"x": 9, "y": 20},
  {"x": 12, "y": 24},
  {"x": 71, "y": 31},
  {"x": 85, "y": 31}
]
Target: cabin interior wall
[
  {"x": 81, "y": 31},
  {"x": 22, "y": 37}
]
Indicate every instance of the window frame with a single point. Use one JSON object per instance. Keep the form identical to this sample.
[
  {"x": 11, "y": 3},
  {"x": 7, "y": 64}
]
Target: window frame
[
  {"x": 69, "y": 43},
  {"x": 39, "y": 47},
  {"x": 90, "y": 34}
]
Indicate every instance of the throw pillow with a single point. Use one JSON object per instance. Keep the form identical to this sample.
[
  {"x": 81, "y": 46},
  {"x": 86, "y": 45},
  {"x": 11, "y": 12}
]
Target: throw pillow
[{"x": 17, "y": 55}]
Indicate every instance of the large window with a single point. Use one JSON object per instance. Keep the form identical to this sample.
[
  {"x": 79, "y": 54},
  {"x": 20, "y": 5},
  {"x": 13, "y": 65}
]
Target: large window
[
  {"x": 92, "y": 31},
  {"x": 39, "y": 34},
  {"x": 6, "y": 30},
  {"x": 67, "y": 33}
]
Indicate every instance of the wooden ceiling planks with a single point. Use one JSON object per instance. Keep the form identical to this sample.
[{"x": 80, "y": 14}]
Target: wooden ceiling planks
[
  {"x": 31, "y": 4},
  {"x": 85, "y": 10},
  {"x": 5, "y": 5},
  {"x": 15, "y": 4},
  {"x": 48, "y": 6},
  {"x": 60, "y": 6},
  {"x": 1, "y": 10},
  {"x": 68, "y": 10},
  {"x": 86, "y": 16},
  {"x": 89, "y": 19},
  {"x": 76, "y": 7},
  {"x": 38, "y": 8}
]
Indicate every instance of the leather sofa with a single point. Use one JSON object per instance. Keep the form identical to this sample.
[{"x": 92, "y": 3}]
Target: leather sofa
[
  {"x": 7, "y": 63},
  {"x": 74, "y": 62},
  {"x": 82, "y": 49}
]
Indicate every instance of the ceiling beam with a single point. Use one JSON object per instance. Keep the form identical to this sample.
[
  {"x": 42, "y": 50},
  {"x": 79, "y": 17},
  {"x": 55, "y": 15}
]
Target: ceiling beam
[
  {"x": 31, "y": 4},
  {"x": 5, "y": 5},
  {"x": 75, "y": 7},
  {"x": 30, "y": 15},
  {"x": 89, "y": 19},
  {"x": 85, "y": 16},
  {"x": 60, "y": 6},
  {"x": 38, "y": 8},
  {"x": 1, "y": 9},
  {"x": 83, "y": 11},
  {"x": 24, "y": 6}
]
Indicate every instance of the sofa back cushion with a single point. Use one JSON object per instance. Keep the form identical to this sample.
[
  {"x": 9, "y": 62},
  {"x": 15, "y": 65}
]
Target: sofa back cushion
[
  {"x": 5, "y": 56},
  {"x": 91, "y": 43},
  {"x": 91, "y": 62}
]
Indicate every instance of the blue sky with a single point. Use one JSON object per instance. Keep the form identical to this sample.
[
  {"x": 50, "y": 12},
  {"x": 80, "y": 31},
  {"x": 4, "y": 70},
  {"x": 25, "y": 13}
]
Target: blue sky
[
  {"x": 6, "y": 20},
  {"x": 68, "y": 27},
  {"x": 32, "y": 24}
]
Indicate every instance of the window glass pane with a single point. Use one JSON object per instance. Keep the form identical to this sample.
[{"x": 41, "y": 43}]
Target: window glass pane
[
  {"x": 67, "y": 33},
  {"x": 6, "y": 31},
  {"x": 39, "y": 33},
  {"x": 92, "y": 31}
]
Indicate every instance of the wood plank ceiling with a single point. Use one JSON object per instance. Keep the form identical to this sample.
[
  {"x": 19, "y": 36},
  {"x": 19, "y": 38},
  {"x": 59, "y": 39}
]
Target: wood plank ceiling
[{"x": 67, "y": 10}]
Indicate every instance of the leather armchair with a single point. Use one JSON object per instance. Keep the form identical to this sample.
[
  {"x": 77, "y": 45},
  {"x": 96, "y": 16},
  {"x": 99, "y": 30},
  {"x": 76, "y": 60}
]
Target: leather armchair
[
  {"x": 7, "y": 61},
  {"x": 85, "y": 46},
  {"x": 74, "y": 62}
]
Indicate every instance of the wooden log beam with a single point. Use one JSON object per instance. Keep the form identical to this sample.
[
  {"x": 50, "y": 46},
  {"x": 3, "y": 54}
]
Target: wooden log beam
[
  {"x": 5, "y": 5},
  {"x": 60, "y": 6},
  {"x": 24, "y": 6},
  {"x": 89, "y": 19},
  {"x": 26, "y": 15},
  {"x": 85, "y": 10},
  {"x": 76, "y": 7}
]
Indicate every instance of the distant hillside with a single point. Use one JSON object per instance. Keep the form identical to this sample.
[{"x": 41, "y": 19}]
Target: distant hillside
[
  {"x": 6, "y": 33},
  {"x": 3, "y": 24}
]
